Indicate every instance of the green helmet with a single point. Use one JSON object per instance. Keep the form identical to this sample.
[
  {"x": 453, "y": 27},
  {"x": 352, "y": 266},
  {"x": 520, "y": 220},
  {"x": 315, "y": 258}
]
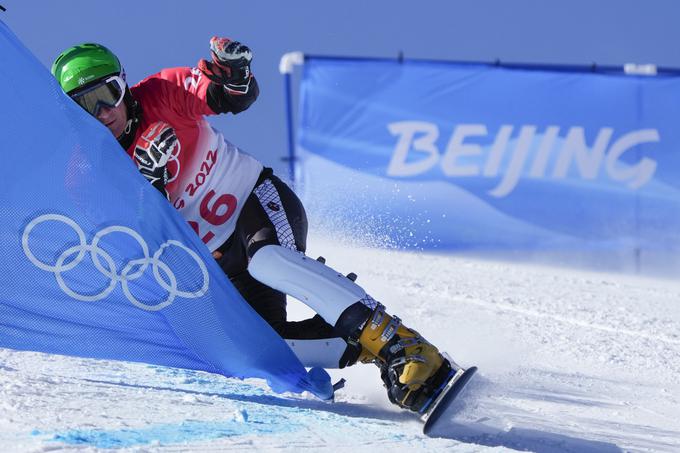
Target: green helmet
[{"x": 83, "y": 64}]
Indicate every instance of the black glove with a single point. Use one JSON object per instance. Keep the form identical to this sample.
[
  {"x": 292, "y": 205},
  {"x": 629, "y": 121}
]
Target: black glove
[
  {"x": 230, "y": 65},
  {"x": 153, "y": 150}
]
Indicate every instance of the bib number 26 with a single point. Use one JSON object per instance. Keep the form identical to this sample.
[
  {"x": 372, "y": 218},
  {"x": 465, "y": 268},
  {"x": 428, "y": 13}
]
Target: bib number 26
[{"x": 215, "y": 212}]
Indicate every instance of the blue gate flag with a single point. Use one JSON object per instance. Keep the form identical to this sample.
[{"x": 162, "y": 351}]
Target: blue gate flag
[
  {"x": 477, "y": 157},
  {"x": 95, "y": 263}
]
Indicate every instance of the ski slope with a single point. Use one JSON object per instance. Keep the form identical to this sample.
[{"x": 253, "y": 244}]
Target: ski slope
[{"x": 568, "y": 361}]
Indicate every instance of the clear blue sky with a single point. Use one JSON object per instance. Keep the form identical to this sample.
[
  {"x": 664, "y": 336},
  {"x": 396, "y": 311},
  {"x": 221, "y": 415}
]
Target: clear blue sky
[{"x": 148, "y": 35}]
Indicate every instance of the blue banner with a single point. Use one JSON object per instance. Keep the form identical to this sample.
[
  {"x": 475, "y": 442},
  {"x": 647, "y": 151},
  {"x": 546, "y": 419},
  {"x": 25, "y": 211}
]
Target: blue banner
[
  {"x": 433, "y": 155},
  {"x": 96, "y": 263}
]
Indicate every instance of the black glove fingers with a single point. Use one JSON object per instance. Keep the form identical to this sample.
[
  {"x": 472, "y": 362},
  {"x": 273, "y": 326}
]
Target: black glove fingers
[
  {"x": 231, "y": 48},
  {"x": 234, "y": 51},
  {"x": 168, "y": 133},
  {"x": 151, "y": 158},
  {"x": 230, "y": 66},
  {"x": 166, "y": 140}
]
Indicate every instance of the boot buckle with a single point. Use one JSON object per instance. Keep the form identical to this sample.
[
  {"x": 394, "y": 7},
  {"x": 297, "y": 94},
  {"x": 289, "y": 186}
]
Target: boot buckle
[
  {"x": 403, "y": 344},
  {"x": 390, "y": 330},
  {"x": 404, "y": 360},
  {"x": 398, "y": 362},
  {"x": 378, "y": 316}
]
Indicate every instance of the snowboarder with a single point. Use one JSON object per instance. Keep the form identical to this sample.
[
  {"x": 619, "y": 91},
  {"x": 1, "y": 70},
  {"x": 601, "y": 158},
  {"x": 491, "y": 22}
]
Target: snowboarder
[{"x": 253, "y": 222}]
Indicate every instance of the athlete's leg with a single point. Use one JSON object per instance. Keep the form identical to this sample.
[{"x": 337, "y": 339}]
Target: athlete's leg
[
  {"x": 412, "y": 368},
  {"x": 272, "y": 215}
]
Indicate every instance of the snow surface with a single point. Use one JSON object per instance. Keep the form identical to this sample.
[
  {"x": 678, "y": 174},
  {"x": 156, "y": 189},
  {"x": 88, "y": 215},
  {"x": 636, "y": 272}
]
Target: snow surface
[{"x": 568, "y": 361}]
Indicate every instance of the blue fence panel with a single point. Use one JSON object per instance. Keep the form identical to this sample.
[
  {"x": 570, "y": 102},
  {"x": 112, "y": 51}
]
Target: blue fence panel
[
  {"x": 434, "y": 155},
  {"x": 96, "y": 263}
]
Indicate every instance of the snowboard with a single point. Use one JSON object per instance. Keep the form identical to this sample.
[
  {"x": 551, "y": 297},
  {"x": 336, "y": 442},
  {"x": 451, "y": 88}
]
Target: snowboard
[{"x": 449, "y": 391}]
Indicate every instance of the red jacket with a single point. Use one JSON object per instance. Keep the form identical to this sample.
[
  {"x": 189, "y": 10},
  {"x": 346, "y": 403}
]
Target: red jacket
[{"x": 210, "y": 177}]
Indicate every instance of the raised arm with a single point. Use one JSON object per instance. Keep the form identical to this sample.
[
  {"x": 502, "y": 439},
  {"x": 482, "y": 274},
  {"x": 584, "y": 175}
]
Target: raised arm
[{"x": 233, "y": 87}]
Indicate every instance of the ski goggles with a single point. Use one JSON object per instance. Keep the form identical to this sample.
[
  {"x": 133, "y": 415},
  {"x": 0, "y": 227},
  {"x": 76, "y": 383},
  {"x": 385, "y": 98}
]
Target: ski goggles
[{"x": 109, "y": 93}]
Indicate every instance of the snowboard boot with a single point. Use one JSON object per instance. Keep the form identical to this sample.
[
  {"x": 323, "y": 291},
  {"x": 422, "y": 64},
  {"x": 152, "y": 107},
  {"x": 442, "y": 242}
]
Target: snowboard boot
[{"x": 412, "y": 369}]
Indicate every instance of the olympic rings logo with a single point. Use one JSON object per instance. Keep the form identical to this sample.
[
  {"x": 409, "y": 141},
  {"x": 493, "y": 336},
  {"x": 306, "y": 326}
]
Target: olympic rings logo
[{"x": 77, "y": 253}]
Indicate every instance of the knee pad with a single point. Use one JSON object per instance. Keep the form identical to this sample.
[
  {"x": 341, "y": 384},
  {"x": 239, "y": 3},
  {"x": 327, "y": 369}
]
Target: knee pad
[{"x": 326, "y": 291}]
